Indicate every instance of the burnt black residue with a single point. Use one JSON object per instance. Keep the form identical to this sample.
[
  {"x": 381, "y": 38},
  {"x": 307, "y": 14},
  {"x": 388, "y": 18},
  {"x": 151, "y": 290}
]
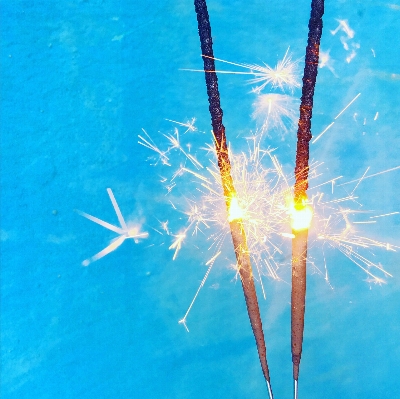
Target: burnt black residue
[{"x": 310, "y": 76}]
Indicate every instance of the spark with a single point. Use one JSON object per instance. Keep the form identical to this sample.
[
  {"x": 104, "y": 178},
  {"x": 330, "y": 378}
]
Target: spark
[
  {"x": 164, "y": 226},
  {"x": 266, "y": 208},
  {"x": 347, "y": 106},
  {"x": 177, "y": 244},
  {"x": 323, "y": 132},
  {"x": 338, "y": 231},
  {"x": 283, "y": 75},
  {"x": 210, "y": 264},
  {"x": 288, "y": 235},
  {"x": 337, "y": 116},
  {"x": 384, "y": 215},
  {"x": 125, "y": 231},
  {"x": 148, "y": 143},
  {"x": 275, "y": 111},
  {"x": 324, "y": 59},
  {"x": 189, "y": 124},
  {"x": 332, "y": 181},
  {"x": 373, "y": 175},
  {"x": 175, "y": 141},
  {"x": 360, "y": 180}
]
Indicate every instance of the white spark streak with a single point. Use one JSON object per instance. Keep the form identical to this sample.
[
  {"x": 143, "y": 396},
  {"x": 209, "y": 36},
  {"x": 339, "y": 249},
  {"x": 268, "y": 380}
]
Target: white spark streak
[
  {"x": 125, "y": 231},
  {"x": 337, "y": 116}
]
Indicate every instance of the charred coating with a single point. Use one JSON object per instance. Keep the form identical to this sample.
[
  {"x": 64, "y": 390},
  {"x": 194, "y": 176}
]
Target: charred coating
[
  {"x": 309, "y": 79},
  {"x": 236, "y": 226},
  {"x": 209, "y": 65},
  {"x": 299, "y": 244},
  {"x": 215, "y": 109}
]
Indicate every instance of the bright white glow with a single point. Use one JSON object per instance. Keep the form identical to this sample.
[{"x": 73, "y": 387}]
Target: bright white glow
[
  {"x": 300, "y": 217},
  {"x": 235, "y": 211}
]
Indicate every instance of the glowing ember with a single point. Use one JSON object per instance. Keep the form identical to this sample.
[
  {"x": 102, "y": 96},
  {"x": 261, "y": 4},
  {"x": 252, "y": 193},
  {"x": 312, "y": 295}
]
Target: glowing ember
[
  {"x": 300, "y": 216},
  {"x": 235, "y": 211}
]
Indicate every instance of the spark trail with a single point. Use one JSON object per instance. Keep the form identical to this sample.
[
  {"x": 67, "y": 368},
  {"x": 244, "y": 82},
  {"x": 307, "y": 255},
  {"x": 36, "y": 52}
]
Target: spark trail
[
  {"x": 236, "y": 225},
  {"x": 283, "y": 75},
  {"x": 125, "y": 231},
  {"x": 299, "y": 243}
]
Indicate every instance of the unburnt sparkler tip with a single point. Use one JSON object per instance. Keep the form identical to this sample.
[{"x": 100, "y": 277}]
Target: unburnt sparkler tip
[
  {"x": 295, "y": 389},
  {"x": 271, "y": 396}
]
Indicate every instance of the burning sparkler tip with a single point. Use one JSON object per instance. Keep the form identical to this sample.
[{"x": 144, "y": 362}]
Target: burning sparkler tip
[
  {"x": 235, "y": 211},
  {"x": 300, "y": 214}
]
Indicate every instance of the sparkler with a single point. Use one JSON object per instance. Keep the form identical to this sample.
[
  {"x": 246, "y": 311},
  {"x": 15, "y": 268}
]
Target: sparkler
[
  {"x": 347, "y": 240},
  {"x": 236, "y": 225},
  {"x": 299, "y": 243},
  {"x": 337, "y": 116},
  {"x": 275, "y": 111}
]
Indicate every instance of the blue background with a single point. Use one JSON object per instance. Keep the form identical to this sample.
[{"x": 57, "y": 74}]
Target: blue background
[{"x": 79, "y": 81}]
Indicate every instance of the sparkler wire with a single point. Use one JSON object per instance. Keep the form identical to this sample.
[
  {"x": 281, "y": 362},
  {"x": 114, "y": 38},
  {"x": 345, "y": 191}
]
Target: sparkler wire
[
  {"x": 299, "y": 243},
  {"x": 236, "y": 225}
]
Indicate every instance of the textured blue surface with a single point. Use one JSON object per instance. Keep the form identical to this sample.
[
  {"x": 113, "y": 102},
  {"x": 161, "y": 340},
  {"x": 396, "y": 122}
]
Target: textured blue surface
[{"x": 79, "y": 81}]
